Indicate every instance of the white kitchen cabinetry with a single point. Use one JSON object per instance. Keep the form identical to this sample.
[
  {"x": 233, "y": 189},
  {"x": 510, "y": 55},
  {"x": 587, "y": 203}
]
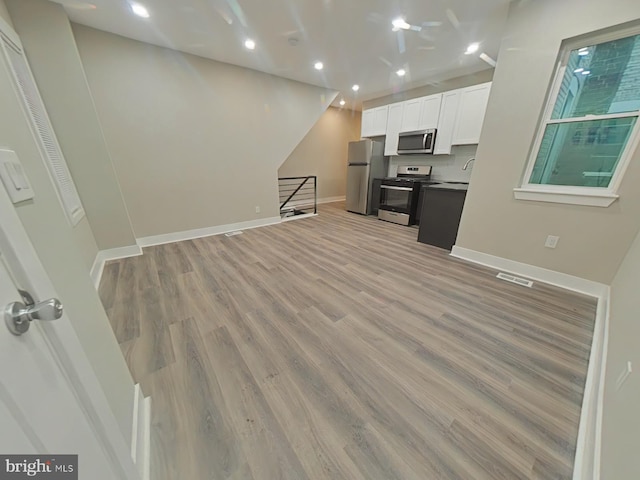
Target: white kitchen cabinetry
[
  {"x": 430, "y": 111},
  {"x": 374, "y": 122},
  {"x": 473, "y": 105},
  {"x": 421, "y": 113},
  {"x": 411, "y": 115},
  {"x": 447, "y": 122},
  {"x": 394, "y": 124}
]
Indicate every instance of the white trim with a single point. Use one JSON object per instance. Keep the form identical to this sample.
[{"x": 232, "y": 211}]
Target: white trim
[
  {"x": 104, "y": 256},
  {"x": 586, "y": 465},
  {"x": 595, "y": 199},
  {"x": 592, "y": 118},
  {"x": 632, "y": 144},
  {"x": 331, "y": 199},
  {"x": 559, "y": 279},
  {"x": 145, "y": 461},
  {"x": 298, "y": 217},
  {"x": 204, "y": 232},
  {"x": 141, "y": 432}
]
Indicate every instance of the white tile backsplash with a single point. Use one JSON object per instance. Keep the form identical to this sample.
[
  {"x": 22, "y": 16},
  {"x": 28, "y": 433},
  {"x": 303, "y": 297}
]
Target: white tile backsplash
[{"x": 445, "y": 167}]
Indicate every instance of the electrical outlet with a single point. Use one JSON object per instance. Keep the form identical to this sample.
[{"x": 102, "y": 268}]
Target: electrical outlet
[
  {"x": 552, "y": 241},
  {"x": 257, "y": 209}
]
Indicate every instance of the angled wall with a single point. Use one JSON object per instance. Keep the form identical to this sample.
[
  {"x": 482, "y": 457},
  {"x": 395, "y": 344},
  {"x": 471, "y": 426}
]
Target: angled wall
[
  {"x": 324, "y": 150},
  {"x": 196, "y": 143}
]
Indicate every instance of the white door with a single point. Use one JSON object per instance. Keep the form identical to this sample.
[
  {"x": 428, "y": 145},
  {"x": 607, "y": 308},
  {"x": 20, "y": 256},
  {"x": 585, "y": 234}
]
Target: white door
[{"x": 50, "y": 401}]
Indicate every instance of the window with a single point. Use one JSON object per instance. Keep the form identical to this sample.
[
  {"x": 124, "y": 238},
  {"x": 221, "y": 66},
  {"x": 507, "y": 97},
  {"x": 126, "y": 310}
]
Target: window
[{"x": 590, "y": 125}]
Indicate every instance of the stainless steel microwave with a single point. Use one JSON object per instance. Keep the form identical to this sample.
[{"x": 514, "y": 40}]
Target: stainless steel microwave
[{"x": 421, "y": 141}]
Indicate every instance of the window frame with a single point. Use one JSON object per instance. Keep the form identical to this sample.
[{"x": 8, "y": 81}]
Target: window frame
[{"x": 578, "y": 195}]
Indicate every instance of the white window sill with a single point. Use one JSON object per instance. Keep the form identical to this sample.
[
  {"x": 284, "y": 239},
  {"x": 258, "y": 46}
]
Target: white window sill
[{"x": 591, "y": 199}]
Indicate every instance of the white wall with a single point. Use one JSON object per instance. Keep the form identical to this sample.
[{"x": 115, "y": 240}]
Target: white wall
[
  {"x": 46, "y": 35},
  {"x": 324, "y": 151},
  {"x": 61, "y": 250},
  {"x": 195, "y": 143},
  {"x": 621, "y": 419},
  {"x": 4, "y": 13},
  {"x": 593, "y": 241}
]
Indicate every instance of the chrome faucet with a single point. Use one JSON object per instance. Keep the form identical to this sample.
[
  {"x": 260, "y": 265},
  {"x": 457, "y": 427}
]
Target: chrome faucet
[{"x": 466, "y": 165}]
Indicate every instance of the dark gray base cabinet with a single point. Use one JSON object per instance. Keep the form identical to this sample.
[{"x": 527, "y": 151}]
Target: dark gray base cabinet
[{"x": 440, "y": 216}]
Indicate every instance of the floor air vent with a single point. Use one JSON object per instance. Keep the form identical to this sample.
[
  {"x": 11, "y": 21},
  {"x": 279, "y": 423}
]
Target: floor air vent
[
  {"x": 231, "y": 234},
  {"x": 517, "y": 280}
]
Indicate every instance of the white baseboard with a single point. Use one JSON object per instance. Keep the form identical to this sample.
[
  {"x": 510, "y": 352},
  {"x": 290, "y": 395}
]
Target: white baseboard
[
  {"x": 111, "y": 254},
  {"x": 141, "y": 433},
  {"x": 559, "y": 279},
  {"x": 299, "y": 217},
  {"x": 331, "y": 199},
  {"x": 204, "y": 232},
  {"x": 586, "y": 464}
]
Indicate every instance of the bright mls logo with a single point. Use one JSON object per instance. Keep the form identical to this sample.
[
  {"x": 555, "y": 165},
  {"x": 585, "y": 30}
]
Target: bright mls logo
[{"x": 50, "y": 467}]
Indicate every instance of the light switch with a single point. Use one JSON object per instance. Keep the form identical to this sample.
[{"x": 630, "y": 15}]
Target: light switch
[{"x": 13, "y": 177}]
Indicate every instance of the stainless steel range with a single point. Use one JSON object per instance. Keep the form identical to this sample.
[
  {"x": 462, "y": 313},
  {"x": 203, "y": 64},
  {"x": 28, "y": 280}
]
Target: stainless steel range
[{"x": 399, "y": 195}]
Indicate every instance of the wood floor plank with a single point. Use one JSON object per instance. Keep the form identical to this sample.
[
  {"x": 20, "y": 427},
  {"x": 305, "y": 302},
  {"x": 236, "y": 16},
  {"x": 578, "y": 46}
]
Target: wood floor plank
[{"x": 338, "y": 347}]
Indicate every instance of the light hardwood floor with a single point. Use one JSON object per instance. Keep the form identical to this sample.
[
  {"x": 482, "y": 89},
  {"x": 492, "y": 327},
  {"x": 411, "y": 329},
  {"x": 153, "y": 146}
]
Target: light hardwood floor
[{"x": 337, "y": 347}]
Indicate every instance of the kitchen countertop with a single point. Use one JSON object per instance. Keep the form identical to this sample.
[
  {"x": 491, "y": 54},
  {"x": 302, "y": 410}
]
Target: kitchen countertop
[{"x": 462, "y": 187}]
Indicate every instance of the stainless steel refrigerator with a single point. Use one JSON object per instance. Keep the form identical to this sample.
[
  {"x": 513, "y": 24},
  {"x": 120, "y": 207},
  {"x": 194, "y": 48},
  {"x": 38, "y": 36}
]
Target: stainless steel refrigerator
[{"x": 366, "y": 162}]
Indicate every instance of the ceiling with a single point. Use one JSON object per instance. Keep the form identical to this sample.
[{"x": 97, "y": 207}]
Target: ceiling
[{"x": 353, "y": 38}]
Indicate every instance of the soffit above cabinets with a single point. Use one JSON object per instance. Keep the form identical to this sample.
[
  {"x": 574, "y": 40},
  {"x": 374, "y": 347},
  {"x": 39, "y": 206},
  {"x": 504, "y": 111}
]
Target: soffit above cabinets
[{"x": 354, "y": 40}]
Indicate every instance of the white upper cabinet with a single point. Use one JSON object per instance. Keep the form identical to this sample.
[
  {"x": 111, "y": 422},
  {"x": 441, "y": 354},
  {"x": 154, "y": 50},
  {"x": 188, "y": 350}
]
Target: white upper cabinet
[
  {"x": 411, "y": 115},
  {"x": 430, "y": 111},
  {"x": 374, "y": 121},
  {"x": 447, "y": 122},
  {"x": 421, "y": 113},
  {"x": 367, "y": 123},
  {"x": 473, "y": 105},
  {"x": 394, "y": 124}
]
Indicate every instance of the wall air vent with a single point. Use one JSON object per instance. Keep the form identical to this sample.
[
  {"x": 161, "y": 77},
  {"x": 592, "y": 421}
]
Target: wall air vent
[
  {"x": 516, "y": 280},
  {"x": 232, "y": 234}
]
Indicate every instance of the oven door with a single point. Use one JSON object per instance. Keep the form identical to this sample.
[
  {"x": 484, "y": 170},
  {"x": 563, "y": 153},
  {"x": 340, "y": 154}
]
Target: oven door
[
  {"x": 395, "y": 204},
  {"x": 396, "y": 199}
]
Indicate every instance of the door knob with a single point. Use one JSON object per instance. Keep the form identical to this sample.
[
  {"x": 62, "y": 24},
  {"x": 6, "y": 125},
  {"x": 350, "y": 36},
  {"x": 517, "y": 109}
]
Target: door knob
[{"x": 18, "y": 316}]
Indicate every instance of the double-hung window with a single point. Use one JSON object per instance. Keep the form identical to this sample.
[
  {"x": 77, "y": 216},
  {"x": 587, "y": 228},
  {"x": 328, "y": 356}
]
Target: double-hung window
[{"x": 590, "y": 126}]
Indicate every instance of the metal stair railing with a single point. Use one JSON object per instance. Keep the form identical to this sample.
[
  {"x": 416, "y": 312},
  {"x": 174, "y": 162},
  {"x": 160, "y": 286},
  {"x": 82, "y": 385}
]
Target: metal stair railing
[{"x": 298, "y": 195}]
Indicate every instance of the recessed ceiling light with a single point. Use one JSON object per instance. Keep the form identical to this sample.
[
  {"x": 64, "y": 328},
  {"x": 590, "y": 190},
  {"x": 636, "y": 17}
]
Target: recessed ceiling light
[
  {"x": 250, "y": 44},
  {"x": 583, "y": 51},
  {"x": 139, "y": 10},
  {"x": 355, "y": 88},
  {"x": 401, "y": 73},
  {"x": 400, "y": 23},
  {"x": 342, "y": 103},
  {"x": 586, "y": 72},
  {"x": 318, "y": 66},
  {"x": 472, "y": 48},
  {"x": 578, "y": 70}
]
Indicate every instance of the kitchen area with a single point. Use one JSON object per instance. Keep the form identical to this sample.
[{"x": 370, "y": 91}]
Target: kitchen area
[{"x": 413, "y": 165}]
